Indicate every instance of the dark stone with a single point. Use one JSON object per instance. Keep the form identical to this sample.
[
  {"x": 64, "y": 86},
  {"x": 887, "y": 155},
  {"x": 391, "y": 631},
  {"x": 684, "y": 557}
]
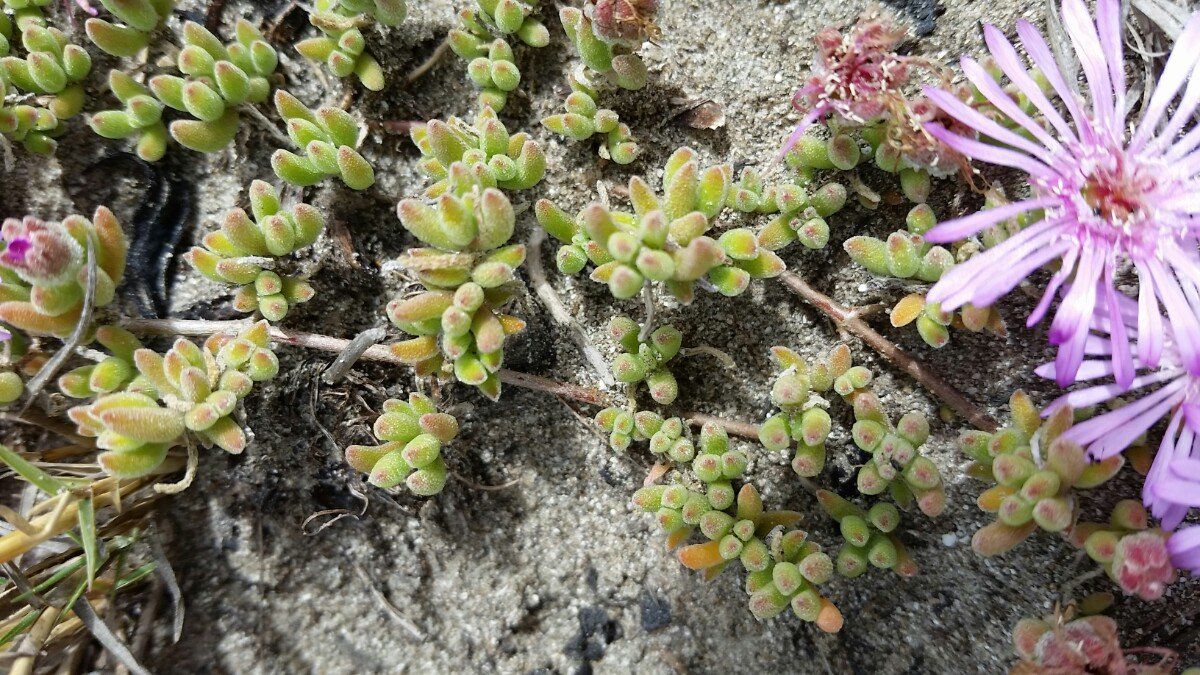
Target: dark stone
[
  {"x": 922, "y": 13},
  {"x": 596, "y": 631},
  {"x": 656, "y": 612}
]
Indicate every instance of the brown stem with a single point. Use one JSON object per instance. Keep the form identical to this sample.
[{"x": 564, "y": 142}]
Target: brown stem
[
  {"x": 419, "y": 72},
  {"x": 743, "y": 429},
  {"x": 373, "y": 353},
  {"x": 849, "y": 320}
]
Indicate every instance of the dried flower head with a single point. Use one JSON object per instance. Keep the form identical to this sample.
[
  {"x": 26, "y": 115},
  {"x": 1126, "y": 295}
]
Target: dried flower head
[{"x": 855, "y": 74}]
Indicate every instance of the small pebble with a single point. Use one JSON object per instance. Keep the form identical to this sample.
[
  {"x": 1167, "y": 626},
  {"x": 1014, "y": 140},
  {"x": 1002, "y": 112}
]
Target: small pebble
[{"x": 949, "y": 540}]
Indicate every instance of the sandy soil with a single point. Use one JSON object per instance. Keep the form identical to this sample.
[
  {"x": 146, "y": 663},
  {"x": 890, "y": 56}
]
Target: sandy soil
[{"x": 557, "y": 573}]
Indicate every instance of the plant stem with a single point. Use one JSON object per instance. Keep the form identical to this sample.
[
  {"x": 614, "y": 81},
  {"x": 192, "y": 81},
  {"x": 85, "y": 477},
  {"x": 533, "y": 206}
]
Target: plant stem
[
  {"x": 419, "y": 72},
  {"x": 734, "y": 427},
  {"x": 848, "y": 319},
  {"x": 373, "y": 353}
]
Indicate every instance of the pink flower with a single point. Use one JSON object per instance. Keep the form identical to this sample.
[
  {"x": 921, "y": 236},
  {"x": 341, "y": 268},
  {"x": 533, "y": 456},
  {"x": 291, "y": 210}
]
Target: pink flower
[
  {"x": 1173, "y": 483},
  {"x": 39, "y": 252},
  {"x": 1184, "y": 547},
  {"x": 853, "y": 76},
  {"x": 1108, "y": 196}
]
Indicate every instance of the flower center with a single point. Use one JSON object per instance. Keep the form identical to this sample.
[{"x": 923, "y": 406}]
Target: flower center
[{"x": 1117, "y": 193}]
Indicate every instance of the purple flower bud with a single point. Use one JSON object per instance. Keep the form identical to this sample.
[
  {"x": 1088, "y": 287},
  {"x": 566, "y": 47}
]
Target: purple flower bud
[{"x": 41, "y": 253}]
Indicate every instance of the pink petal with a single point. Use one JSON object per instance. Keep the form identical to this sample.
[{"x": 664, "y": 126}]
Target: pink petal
[
  {"x": 1179, "y": 67},
  {"x": 1122, "y": 359},
  {"x": 990, "y": 153},
  {"x": 1041, "y": 57},
  {"x": 968, "y": 281},
  {"x": 973, "y": 118},
  {"x": 1184, "y": 328},
  {"x": 1083, "y": 36},
  {"x": 1007, "y": 59},
  {"x": 1048, "y": 295},
  {"x": 1134, "y": 418},
  {"x": 1090, "y": 396},
  {"x": 798, "y": 132},
  {"x": 1108, "y": 23},
  {"x": 1150, "y": 323},
  {"x": 961, "y": 228},
  {"x": 1076, "y": 309}
]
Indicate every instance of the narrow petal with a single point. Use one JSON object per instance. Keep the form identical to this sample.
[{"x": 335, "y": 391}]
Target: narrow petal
[
  {"x": 798, "y": 133},
  {"x": 1122, "y": 359},
  {"x": 1179, "y": 66},
  {"x": 1040, "y": 55},
  {"x": 973, "y": 118},
  {"x": 1075, "y": 312},
  {"x": 1139, "y": 415},
  {"x": 1082, "y": 32},
  {"x": 1108, "y": 24},
  {"x": 961, "y": 228},
  {"x": 1090, "y": 396},
  {"x": 1089, "y": 370},
  {"x": 1150, "y": 323},
  {"x": 1185, "y": 329},
  {"x": 1034, "y": 255},
  {"x": 990, "y": 153},
  {"x": 965, "y": 280},
  {"x": 1006, "y": 58},
  {"x": 1064, "y": 272}
]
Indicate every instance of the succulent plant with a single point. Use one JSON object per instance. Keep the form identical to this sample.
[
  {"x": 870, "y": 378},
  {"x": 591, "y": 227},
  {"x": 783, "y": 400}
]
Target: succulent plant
[
  {"x": 53, "y": 69},
  {"x": 896, "y": 463},
  {"x": 329, "y": 138},
  {"x": 906, "y": 255},
  {"x": 216, "y": 80},
  {"x": 663, "y": 240},
  {"x": 1034, "y": 488},
  {"x": 189, "y": 390},
  {"x": 32, "y": 126},
  {"x": 11, "y": 386},
  {"x": 23, "y": 12},
  {"x": 115, "y": 372},
  {"x": 245, "y": 252},
  {"x": 644, "y": 360},
  {"x": 43, "y": 276},
  {"x": 603, "y": 52},
  {"x": 141, "y": 118},
  {"x": 480, "y": 39},
  {"x": 803, "y": 417},
  {"x": 783, "y": 567},
  {"x": 796, "y": 566},
  {"x": 869, "y": 537},
  {"x": 584, "y": 119},
  {"x": 411, "y": 436},
  {"x": 342, "y": 47},
  {"x": 468, "y": 272},
  {"x": 136, "y": 21},
  {"x": 511, "y": 162}
]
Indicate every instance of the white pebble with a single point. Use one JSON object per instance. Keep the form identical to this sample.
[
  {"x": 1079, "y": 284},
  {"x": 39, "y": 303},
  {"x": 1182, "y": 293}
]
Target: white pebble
[{"x": 949, "y": 540}]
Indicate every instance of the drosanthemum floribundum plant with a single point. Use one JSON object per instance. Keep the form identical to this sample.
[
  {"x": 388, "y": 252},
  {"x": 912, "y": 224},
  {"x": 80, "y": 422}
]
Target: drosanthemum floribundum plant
[
  {"x": 1109, "y": 197},
  {"x": 1173, "y": 483}
]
